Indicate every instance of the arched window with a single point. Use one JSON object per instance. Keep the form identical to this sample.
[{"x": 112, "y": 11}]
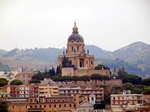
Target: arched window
[{"x": 77, "y": 48}]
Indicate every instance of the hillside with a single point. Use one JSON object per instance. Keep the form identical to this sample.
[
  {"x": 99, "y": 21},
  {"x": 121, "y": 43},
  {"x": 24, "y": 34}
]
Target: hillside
[
  {"x": 97, "y": 51},
  {"x": 134, "y": 57},
  {"x": 2, "y": 52},
  {"x": 133, "y": 52},
  {"x": 43, "y": 54},
  {"x": 4, "y": 67}
]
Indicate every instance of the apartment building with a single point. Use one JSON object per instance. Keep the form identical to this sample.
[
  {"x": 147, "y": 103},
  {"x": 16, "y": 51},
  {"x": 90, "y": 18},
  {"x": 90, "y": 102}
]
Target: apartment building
[
  {"x": 125, "y": 101},
  {"x": 97, "y": 91},
  {"x": 43, "y": 104},
  {"x": 23, "y": 91},
  {"x": 48, "y": 91},
  {"x": 4, "y": 93},
  {"x": 83, "y": 93}
]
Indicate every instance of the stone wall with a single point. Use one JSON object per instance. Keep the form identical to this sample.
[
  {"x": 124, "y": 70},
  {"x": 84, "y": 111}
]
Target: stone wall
[
  {"x": 81, "y": 72},
  {"x": 68, "y": 71},
  {"x": 109, "y": 83}
]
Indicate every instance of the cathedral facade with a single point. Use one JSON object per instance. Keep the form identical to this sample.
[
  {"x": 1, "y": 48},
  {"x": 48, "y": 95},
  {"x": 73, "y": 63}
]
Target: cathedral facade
[{"x": 75, "y": 61}]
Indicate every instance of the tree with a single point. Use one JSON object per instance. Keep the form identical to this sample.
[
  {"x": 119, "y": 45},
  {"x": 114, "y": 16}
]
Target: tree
[
  {"x": 146, "y": 81},
  {"x": 34, "y": 81},
  {"x": 58, "y": 70},
  {"x": 66, "y": 78},
  {"x": 40, "y": 76},
  {"x": 101, "y": 67},
  {"x": 147, "y": 90},
  {"x": 136, "y": 89},
  {"x": 104, "y": 77},
  {"x": 95, "y": 77},
  {"x": 57, "y": 78},
  {"x": 106, "y": 96},
  {"x": 3, "y": 82},
  {"x": 66, "y": 62},
  {"x": 3, "y": 106},
  {"x": 85, "y": 78},
  {"x": 134, "y": 79},
  {"x": 75, "y": 79},
  {"x": 16, "y": 82},
  {"x": 52, "y": 72}
]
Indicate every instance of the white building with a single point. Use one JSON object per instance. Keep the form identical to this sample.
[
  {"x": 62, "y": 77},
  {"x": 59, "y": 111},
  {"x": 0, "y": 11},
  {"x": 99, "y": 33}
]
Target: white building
[{"x": 125, "y": 101}]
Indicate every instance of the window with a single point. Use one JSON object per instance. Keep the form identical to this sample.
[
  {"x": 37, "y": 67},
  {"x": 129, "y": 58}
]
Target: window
[
  {"x": 64, "y": 105},
  {"x": 91, "y": 62},
  {"x": 44, "y": 106},
  {"x": 70, "y": 62},
  {"x": 69, "y": 105},
  {"x": 113, "y": 98},
  {"x": 54, "y": 106},
  {"x": 59, "y": 105},
  {"x": 77, "y": 48},
  {"x": 86, "y": 92},
  {"x": 133, "y": 97},
  {"x": 49, "y": 106},
  {"x": 72, "y": 48}
]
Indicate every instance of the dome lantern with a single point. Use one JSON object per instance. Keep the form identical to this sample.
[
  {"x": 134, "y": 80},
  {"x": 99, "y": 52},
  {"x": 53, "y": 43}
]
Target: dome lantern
[
  {"x": 75, "y": 36},
  {"x": 75, "y": 28}
]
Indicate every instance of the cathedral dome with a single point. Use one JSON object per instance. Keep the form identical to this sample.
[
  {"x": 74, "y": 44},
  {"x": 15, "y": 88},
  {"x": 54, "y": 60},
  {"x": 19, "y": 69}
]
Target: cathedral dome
[{"x": 75, "y": 36}]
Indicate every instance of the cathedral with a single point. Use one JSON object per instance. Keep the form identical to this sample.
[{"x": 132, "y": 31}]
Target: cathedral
[{"x": 75, "y": 61}]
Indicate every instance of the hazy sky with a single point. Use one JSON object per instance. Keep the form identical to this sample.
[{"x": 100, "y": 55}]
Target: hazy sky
[{"x": 109, "y": 24}]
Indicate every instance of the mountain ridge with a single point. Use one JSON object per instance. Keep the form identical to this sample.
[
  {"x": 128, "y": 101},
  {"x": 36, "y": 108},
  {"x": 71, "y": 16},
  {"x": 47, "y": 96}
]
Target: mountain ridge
[{"x": 135, "y": 55}]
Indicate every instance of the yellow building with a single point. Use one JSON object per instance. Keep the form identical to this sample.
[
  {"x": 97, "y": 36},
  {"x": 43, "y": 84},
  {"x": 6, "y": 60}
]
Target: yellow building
[
  {"x": 48, "y": 91},
  {"x": 42, "y": 104},
  {"x": 4, "y": 93},
  {"x": 76, "y": 62}
]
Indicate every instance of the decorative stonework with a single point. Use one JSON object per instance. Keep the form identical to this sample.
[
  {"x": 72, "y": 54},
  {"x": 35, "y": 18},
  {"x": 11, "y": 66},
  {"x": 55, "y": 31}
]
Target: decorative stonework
[{"x": 78, "y": 62}]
